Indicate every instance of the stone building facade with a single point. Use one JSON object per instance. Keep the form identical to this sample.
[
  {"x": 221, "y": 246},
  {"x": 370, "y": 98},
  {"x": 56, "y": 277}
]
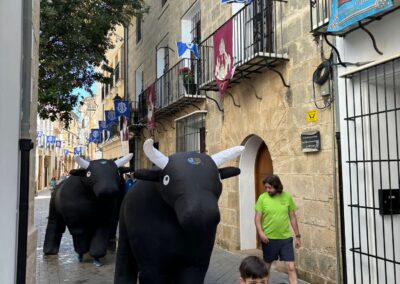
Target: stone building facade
[{"x": 258, "y": 111}]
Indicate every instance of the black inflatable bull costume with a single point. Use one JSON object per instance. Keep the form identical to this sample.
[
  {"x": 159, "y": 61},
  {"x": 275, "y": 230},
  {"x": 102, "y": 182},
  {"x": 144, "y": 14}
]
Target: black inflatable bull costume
[
  {"x": 168, "y": 220},
  {"x": 87, "y": 203}
]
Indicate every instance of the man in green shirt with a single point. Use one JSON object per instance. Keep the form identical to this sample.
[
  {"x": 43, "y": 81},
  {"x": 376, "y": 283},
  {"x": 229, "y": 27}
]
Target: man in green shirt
[{"x": 274, "y": 210}]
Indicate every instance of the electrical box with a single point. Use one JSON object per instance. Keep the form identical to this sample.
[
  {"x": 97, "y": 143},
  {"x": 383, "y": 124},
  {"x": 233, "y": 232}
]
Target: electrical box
[
  {"x": 389, "y": 201},
  {"x": 310, "y": 141}
]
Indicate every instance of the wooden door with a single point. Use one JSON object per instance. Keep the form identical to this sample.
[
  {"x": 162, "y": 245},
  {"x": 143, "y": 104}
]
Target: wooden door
[{"x": 263, "y": 167}]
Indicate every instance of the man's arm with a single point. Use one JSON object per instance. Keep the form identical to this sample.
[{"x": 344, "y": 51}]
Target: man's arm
[
  {"x": 295, "y": 226},
  {"x": 257, "y": 221}
]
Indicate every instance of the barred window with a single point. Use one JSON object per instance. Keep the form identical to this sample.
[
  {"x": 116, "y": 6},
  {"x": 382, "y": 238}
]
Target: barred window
[
  {"x": 190, "y": 133},
  {"x": 371, "y": 171}
]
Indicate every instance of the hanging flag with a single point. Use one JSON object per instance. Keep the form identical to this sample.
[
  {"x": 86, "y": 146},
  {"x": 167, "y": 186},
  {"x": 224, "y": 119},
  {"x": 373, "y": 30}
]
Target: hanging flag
[
  {"x": 104, "y": 130},
  {"x": 121, "y": 108},
  {"x": 111, "y": 118},
  {"x": 95, "y": 136},
  {"x": 65, "y": 152},
  {"x": 50, "y": 140},
  {"x": 236, "y": 1},
  {"x": 122, "y": 112},
  {"x": 223, "y": 57},
  {"x": 151, "y": 104},
  {"x": 181, "y": 47},
  {"x": 77, "y": 151},
  {"x": 345, "y": 13},
  {"x": 58, "y": 143},
  {"x": 39, "y": 133}
]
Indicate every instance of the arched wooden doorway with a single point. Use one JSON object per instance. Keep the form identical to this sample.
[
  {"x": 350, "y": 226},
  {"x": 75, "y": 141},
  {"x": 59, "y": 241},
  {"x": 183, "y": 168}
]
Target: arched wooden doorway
[{"x": 263, "y": 168}]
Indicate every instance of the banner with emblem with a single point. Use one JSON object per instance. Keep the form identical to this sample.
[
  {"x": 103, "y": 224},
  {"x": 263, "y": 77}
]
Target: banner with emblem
[
  {"x": 111, "y": 118},
  {"x": 77, "y": 151},
  {"x": 122, "y": 112},
  {"x": 345, "y": 13},
  {"x": 58, "y": 143},
  {"x": 151, "y": 105},
  {"x": 65, "y": 152},
  {"x": 223, "y": 57},
  {"x": 95, "y": 136},
  {"x": 39, "y": 133},
  {"x": 50, "y": 139},
  {"x": 104, "y": 130}
]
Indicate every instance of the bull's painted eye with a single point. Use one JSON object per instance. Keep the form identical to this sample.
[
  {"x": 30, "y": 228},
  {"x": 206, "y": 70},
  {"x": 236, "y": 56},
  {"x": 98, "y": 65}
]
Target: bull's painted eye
[
  {"x": 166, "y": 180},
  {"x": 88, "y": 174}
]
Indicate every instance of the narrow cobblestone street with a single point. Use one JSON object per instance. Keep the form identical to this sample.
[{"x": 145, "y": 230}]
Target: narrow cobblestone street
[{"x": 65, "y": 268}]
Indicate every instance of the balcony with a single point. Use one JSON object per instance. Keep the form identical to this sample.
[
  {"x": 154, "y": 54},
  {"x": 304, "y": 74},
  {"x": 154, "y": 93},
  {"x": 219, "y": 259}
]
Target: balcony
[
  {"x": 320, "y": 11},
  {"x": 176, "y": 89},
  {"x": 257, "y": 42}
]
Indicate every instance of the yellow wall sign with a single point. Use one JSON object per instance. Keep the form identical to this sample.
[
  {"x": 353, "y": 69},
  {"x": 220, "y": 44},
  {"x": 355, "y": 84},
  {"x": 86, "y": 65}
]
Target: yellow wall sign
[{"x": 312, "y": 116}]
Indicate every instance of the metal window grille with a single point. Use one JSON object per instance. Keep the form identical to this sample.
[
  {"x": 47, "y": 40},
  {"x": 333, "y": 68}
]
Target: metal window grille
[
  {"x": 371, "y": 173},
  {"x": 190, "y": 133},
  {"x": 195, "y": 29},
  {"x": 320, "y": 11}
]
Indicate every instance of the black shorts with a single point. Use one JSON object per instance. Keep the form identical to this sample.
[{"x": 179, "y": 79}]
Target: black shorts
[{"x": 281, "y": 249}]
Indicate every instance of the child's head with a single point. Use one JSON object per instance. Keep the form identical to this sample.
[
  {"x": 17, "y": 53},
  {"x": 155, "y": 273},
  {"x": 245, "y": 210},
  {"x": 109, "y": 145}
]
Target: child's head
[{"x": 253, "y": 270}]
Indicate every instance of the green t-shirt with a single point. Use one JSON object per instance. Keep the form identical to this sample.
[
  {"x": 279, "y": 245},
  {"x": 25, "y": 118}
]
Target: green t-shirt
[{"x": 275, "y": 214}]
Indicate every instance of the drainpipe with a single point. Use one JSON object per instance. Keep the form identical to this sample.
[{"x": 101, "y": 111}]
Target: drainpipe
[
  {"x": 126, "y": 54},
  {"x": 25, "y": 142},
  {"x": 338, "y": 183}
]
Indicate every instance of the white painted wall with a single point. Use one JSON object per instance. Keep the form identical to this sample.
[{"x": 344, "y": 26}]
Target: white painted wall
[
  {"x": 10, "y": 95},
  {"x": 357, "y": 47}
]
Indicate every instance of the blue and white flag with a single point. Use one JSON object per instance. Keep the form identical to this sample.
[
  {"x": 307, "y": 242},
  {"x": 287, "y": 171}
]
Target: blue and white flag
[
  {"x": 58, "y": 143},
  {"x": 111, "y": 118},
  {"x": 66, "y": 152},
  {"x": 236, "y": 1},
  {"x": 50, "y": 139},
  {"x": 181, "y": 47},
  {"x": 345, "y": 13},
  {"x": 121, "y": 108},
  {"x": 103, "y": 125},
  {"x": 95, "y": 136},
  {"x": 39, "y": 133},
  {"x": 77, "y": 151}
]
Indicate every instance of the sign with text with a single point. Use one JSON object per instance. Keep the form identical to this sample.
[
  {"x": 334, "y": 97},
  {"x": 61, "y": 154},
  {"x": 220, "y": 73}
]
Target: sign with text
[{"x": 310, "y": 141}]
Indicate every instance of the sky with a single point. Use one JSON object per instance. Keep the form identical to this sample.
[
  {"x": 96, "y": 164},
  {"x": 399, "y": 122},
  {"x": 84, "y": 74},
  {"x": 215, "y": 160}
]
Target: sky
[{"x": 84, "y": 94}]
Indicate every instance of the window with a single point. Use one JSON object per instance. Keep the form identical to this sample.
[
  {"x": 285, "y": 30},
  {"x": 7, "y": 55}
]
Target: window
[
  {"x": 139, "y": 19},
  {"x": 116, "y": 72},
  {"x": 138, "y": 83},
  {"x": 190, "y": 133},
  {"x": 195, "y": 32}
]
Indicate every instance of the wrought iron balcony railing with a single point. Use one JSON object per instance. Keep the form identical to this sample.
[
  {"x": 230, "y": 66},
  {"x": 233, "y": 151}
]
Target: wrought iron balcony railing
[
  {"x": 320, "y": 11},
  {"x": 177, "y": 88},
  {"x": 257, "y": 42}
]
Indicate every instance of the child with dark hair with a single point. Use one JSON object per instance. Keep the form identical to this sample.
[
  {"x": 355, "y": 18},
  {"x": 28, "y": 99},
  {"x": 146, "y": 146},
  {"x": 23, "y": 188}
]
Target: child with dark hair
[{"x": 253, "y": 271}]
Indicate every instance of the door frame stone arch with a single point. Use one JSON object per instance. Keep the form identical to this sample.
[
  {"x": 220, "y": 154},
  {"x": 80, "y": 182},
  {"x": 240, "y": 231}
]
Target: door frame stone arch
[{"x": 248, "y": 234}]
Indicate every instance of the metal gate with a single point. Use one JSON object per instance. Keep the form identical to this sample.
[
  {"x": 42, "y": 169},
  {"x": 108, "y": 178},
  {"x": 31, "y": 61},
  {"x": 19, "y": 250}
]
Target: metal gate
[{"x": 371, "y": 173}]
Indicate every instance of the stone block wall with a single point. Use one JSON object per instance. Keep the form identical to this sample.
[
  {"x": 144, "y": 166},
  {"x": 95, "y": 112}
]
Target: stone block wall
[{"x": 278, "y": 119}]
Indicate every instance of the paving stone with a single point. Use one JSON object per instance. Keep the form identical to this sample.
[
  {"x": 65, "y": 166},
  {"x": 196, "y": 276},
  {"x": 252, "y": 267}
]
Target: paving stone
[{"x": 65, "y": 268}]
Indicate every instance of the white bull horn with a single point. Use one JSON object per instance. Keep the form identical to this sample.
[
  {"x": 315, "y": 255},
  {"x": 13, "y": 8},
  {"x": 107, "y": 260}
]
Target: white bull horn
[
  {"x": 82, "y": 162},
  {"x": 122, "y": 161},
  {"x": 226, "y": 155},
  {"x": 158, "y": 158}
]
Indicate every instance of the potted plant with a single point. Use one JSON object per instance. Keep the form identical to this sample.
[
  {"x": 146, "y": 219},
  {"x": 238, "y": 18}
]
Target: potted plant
[{"x": 186, "y": 74}]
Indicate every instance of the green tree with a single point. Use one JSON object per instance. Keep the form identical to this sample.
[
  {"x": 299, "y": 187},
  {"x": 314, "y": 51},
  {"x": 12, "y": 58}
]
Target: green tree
[{"x": 74, "y": 37}]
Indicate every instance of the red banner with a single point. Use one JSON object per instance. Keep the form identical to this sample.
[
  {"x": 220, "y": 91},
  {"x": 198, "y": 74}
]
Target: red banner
[
  {"x": 151, "y": 103},
  {"x": 223, "y": 57}
]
